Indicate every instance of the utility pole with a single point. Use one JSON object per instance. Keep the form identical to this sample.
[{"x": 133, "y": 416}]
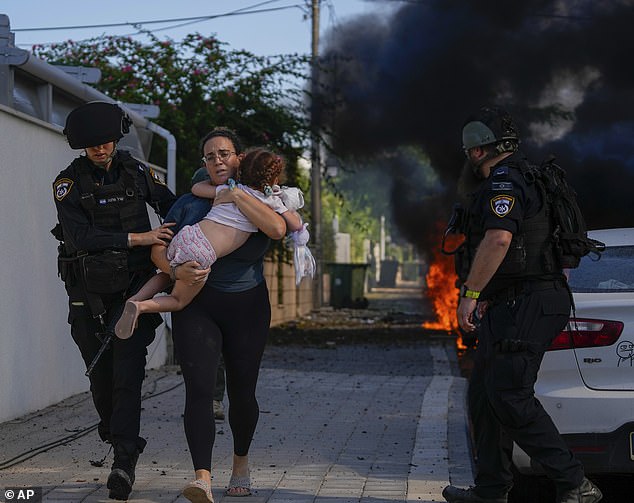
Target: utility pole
[{"x": 315, "y": 170}]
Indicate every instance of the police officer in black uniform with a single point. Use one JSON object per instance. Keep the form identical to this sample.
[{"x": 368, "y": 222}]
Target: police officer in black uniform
[
  {"x": 104, "y": 256},
  {"x": 519, "y": 298}
]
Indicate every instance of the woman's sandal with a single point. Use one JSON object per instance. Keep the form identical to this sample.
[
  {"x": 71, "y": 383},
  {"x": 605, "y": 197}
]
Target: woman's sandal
[
  {"x": 198, "y": 491},
  {"x": 239, "y": 486}
]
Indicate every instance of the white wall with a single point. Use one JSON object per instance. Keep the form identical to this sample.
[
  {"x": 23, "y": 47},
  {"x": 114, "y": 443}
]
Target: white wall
[{"x": 39, "y": 363}]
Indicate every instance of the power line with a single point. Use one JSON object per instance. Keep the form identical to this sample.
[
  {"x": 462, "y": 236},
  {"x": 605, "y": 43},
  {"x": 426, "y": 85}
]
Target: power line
[
  {"x": 235, "y": 13},
  {"x": 238, "y": 12}
]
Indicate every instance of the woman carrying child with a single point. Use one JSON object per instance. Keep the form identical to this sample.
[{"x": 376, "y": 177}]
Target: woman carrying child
[
  {"x": 230, "y": 316},
  {"x": 223, "y": 230}
]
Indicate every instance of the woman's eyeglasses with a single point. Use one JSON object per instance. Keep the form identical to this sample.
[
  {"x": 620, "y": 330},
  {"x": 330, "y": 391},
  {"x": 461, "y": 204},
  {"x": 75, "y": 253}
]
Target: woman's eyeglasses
[{"x": 221, "y": 155}]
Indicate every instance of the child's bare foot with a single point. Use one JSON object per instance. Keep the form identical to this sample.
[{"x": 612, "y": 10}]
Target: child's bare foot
[{"x": 128, "y": 321}]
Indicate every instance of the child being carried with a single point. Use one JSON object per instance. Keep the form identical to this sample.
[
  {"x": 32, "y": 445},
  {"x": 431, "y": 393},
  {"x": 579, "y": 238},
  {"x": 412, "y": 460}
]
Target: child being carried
[{"x": 223, "y": 230}]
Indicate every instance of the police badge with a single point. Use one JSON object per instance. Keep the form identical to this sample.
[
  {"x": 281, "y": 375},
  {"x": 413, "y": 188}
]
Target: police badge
[
  {"x": 62, "y": 188},
  {"x": 502, "y": 205},
  {"x": 155, "y": 176}
]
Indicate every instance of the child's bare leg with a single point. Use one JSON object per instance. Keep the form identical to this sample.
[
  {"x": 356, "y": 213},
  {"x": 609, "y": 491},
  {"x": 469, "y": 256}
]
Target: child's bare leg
[
  {"x": 128, "y": 320},
  {"x": 152, "y": 286},
  {"x": 182, "y": 294}
]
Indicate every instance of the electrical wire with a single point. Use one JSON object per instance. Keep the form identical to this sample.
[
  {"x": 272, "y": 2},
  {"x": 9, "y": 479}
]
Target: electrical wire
[
  {"x": 180, "y": 25},
  {"x": 239, "y": 12},
  {"x": 142, "y": 31},
  {"x": 31, "y": 453}
]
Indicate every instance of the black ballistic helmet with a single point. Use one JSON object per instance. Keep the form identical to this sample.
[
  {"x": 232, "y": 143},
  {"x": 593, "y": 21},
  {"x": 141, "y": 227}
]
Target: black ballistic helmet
[
  {"x": 96, "y": 123},
  {"x": 490, "y": 125}
]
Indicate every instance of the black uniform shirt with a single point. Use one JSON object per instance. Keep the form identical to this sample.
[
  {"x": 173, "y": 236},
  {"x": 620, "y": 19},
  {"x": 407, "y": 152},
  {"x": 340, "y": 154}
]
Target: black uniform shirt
[
  {"x": 75, "y": 219},
  {"x": 504, "y": 199}
]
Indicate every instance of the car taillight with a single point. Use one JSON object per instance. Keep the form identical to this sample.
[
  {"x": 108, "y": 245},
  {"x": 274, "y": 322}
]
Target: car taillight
[{"x": 586, "y": 333}]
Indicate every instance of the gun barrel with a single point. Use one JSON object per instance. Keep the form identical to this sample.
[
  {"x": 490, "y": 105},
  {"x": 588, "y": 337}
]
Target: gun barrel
[{"x": 104, "y": 346}]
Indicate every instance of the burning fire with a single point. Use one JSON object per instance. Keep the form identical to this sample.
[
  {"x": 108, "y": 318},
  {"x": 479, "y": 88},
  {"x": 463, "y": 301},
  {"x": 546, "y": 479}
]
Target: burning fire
[
  {"x": 441, "y": 280},
  {"x": 441, "y": 290}
]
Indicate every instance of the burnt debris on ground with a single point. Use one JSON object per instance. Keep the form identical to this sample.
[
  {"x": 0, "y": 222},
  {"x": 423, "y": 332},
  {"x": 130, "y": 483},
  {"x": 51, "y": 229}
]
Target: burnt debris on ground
[{"x": 393, "y": 316}]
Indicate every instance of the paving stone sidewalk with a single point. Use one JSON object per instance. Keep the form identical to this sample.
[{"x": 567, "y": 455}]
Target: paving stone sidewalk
[{"x": 339, "y": 423}]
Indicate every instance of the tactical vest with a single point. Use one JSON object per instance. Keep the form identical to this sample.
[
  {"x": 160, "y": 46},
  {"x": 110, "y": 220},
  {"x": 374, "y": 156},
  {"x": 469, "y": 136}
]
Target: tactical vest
[
  {"x": 118, "y": 207},
  {"x": 530, "y": 254}
]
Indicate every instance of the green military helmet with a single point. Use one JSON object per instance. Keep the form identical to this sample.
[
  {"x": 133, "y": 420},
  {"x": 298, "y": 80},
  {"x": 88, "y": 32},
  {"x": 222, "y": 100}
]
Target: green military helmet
[{"x": 490, "y": 125}]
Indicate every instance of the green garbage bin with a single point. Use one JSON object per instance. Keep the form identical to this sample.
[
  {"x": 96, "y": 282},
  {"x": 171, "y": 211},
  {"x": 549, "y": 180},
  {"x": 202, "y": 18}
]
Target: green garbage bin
[
  {"x": 389, "y": 268},
  {"x": 410, "y": 271},
  {"x": 347, "y": 285}
]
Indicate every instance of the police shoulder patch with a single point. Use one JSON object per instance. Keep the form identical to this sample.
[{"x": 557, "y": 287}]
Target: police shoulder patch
[
  {"x": 156, "y": 177},
  {"x": 502, "y": 205},
  {"x": 62, "y": 187}
]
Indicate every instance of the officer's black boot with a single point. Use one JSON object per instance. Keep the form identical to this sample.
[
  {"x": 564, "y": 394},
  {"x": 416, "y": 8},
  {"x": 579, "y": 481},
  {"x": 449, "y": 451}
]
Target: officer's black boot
[
  {"x": 121, "y": 477},
  {"x": 454, "y": 494},
  {"x": 587, "y": 492}
]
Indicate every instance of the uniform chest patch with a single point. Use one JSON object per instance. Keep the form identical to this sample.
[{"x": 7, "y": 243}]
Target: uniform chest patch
[
  {"x": 501, "y": 185},
  {"x": 62, "y": 188},
  {"x": 502, "y": 205},
  {"x": 501, "y": 171}
]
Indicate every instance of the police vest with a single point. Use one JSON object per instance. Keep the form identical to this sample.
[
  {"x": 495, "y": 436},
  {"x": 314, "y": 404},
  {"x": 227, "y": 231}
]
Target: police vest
[
  {"x": 530, "y": 254},
  {"x": 118, "y": 207}
]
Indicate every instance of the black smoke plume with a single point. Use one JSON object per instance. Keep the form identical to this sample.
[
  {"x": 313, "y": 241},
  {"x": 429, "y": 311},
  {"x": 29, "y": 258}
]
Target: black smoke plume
[{"x": 562, "y": 68}]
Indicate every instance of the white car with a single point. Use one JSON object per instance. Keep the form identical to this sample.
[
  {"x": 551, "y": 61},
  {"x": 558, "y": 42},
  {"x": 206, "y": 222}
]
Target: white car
[{"x": 586, "y": 380}]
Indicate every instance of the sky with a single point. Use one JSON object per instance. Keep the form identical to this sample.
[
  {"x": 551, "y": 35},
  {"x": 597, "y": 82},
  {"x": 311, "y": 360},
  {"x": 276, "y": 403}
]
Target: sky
[
  {"x": 412, "y": 73},
  {"x": 287, "y": 29}
]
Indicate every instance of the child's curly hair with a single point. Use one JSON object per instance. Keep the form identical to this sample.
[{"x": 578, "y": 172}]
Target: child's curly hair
[{"x": 260, "y": 167}]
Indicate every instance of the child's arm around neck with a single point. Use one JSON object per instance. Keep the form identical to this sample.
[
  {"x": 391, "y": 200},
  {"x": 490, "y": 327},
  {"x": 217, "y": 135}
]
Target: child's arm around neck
[{"x": 204, "y": 189}]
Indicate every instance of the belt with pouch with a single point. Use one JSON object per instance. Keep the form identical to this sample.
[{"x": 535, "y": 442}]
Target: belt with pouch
[{"x": 526, "y": 287}]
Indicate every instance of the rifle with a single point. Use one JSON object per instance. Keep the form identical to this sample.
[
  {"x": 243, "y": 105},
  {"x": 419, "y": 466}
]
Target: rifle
[
  {"x": 456, "y": 225},
  {"x": 106, "y": 332},
  {"x": 72, "y": 267},
  {"x": 105, "y": 335}
]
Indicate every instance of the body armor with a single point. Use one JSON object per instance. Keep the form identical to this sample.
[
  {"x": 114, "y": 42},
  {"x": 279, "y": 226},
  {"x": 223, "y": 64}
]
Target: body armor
[
  {"x": 530, "y": 254},
  {"x": 118, "y": 207}
]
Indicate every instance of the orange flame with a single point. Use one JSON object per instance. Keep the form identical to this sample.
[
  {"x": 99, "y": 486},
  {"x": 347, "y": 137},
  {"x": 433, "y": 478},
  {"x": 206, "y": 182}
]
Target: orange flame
[{"x": 441, "y": 290}]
